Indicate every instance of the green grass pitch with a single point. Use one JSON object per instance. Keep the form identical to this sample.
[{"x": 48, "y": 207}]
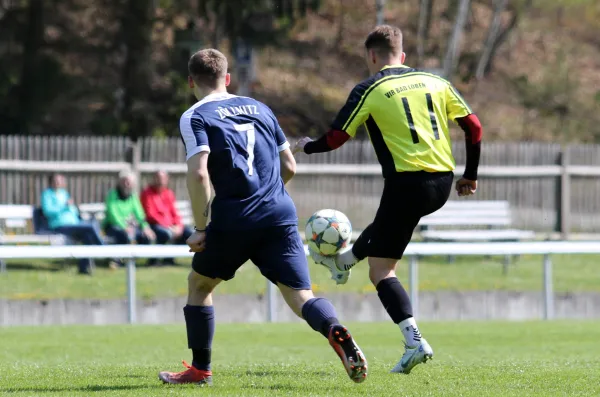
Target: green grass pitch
[{"x": 471, "y": 359}]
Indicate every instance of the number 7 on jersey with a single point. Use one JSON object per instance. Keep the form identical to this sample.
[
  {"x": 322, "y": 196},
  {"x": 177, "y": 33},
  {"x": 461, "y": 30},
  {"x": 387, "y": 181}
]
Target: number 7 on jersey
[{"x": 251, "y": 140}]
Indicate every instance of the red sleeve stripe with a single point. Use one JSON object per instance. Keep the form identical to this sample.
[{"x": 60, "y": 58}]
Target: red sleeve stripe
[
  {"x": 336, "y": 138},
  {"x": 472, "y": 127}
]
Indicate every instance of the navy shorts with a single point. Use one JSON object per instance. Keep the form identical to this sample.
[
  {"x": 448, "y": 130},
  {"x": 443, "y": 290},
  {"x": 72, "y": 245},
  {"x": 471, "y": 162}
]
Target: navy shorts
[{"x": 277, "y": 251}]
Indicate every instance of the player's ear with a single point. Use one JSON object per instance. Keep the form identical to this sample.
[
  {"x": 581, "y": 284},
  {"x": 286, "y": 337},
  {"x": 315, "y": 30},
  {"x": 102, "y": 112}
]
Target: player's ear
[
  {"x": 372, "y": 56},
  {"x": 403, "y": 57},
  {"x": 227, "y": 80},
  {"x": 190, "y": 82}
]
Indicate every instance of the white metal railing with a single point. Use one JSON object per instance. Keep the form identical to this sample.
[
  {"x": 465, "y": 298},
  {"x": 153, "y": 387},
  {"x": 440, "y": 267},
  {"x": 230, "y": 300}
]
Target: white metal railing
[
  {"x": 413, "y": 251},
  {"x": 515, "y": 171}
]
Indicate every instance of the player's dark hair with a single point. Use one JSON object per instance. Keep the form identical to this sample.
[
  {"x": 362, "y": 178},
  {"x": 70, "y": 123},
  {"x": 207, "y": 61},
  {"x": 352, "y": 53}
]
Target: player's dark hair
[
  {"x": 207, "y": 67},
  {"x": 385, "y": 38}
]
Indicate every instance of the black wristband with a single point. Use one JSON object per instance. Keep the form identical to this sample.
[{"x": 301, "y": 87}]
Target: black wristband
[
  {"x": 199, "y": 230},
  {"x": 472, "y": 163},
  {"x": 318, "y": 146}
]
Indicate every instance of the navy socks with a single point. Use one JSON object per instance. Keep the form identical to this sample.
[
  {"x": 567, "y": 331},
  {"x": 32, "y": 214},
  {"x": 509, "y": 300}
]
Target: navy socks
[
  {"x": 200, "y": 325},
  {"x": 320, "y": 314}
]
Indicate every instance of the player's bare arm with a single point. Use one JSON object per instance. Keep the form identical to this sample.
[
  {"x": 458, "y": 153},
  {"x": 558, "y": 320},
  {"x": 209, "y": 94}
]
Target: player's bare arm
[
  {"x": 198, "y": 185},
  {"x": 288, "y": 165}
]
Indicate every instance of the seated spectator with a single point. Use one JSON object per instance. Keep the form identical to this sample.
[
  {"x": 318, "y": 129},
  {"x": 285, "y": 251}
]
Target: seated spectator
[
  {"x": 162, "y": 215},
  {"x": 125, "y": 220},
  {"x": 63, "y": 217}
]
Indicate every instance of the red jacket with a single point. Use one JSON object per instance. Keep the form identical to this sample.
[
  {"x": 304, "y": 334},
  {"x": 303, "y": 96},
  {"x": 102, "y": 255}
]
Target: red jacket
[{"x": 160, "y": 207}]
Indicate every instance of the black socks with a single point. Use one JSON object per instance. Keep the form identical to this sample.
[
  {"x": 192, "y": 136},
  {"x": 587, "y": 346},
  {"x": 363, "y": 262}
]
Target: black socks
[{"x": 395, "y": 300}]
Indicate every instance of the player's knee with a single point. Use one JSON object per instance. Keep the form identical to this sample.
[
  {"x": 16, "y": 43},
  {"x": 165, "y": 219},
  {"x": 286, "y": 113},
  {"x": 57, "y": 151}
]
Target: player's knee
[
  {"x": 200, "y": 284},
  {"x": 296, "y": 298},
  {"x": 381, "y": 268},
  {"x": 301, "y": 297}
]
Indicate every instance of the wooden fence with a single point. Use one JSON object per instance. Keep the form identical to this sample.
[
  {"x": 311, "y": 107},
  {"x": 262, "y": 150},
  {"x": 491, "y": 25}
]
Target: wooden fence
[{"x": 550, "y": 188}]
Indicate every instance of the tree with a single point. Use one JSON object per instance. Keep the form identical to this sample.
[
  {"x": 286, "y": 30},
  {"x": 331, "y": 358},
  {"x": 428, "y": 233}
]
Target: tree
[
  {"x": 253, "y": 19},
  {"x": 136, "y": 25},
  {"x": 497, "y": 34},
  {"x": 29, "y": 81},
  {"x": 248, "y": 25},
  {"x": 492, "y": 35},
  {"x": 453, "y": 50},
  {"x": 425, "y": 12}
]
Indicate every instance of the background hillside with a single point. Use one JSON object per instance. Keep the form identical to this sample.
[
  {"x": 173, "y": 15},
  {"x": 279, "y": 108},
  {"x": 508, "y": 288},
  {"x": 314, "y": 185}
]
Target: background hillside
[
  {"x": 544, "y": 83},
  {"x": 113, "y": 68}
]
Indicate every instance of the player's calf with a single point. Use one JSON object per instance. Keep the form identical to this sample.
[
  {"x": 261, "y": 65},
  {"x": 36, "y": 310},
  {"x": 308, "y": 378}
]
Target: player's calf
[
  {"x": 397, "y": 303},
  {"x": 199, "y": 317}
]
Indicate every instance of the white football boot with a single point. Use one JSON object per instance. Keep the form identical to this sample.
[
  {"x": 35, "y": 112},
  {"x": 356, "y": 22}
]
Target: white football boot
[
  {"x": 330, "y": 262},
  {"x": 413, "y": 356}
]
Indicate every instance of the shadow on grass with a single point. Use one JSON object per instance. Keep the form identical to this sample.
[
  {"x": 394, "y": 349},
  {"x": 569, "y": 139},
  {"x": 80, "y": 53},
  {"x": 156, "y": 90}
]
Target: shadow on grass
[
  {"x": 90, "y": 388},
  {"x": 285, "y": 387},
  {"x": 281, "y": 373},
  {"x": 129, "y": 376},
  {"x": 275, "y": 387}
]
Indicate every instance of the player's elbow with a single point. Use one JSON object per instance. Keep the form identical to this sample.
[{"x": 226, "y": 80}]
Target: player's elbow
[
  {"x": 288, "y": 168},
  {"x": 287, "y": 172},
  {"x": 200, "y": 176},
  {"x": 287, "y": 165},
  {"x": 197, "y": 169}
]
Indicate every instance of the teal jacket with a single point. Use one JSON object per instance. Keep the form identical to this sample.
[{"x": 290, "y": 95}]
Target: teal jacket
[{"x": 57, "y": 210}]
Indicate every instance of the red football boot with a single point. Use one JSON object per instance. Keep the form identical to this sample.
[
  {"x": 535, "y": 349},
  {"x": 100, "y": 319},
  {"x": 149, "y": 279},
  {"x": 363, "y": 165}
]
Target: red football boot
[
  {"x": 346, "y": 348},
  {"x": 190, "y": 375}
]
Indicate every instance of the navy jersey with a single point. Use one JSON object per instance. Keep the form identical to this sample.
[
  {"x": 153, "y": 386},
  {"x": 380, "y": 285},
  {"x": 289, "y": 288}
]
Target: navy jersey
[{"x": 244, "y": 139}]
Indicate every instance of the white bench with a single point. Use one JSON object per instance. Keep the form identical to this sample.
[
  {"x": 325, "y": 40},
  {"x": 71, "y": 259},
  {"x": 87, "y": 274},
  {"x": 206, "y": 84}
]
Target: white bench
[
  {"x": 15, "y": 225},
  {"x": 479, "y": 221},
  {"x": 16, "y": 220},
  {"x": 495, "y": 216}
]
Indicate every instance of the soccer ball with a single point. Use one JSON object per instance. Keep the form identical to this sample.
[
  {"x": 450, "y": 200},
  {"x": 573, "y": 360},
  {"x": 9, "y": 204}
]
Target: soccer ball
[{"x": 328, "y": 231}]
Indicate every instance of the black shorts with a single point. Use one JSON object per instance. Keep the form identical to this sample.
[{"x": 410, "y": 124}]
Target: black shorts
[
  {"x": 406, "y": 198},
  {"x": 277, "y": 251}
]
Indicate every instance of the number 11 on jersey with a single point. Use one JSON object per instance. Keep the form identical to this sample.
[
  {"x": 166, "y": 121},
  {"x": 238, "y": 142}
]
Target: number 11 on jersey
[
  {"x": 411, "y": 123},
  {"x": 251, "y": 140}
]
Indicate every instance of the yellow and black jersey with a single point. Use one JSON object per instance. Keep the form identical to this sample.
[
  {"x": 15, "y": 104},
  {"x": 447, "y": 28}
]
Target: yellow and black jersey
[{"x": 406, "y": 114}]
